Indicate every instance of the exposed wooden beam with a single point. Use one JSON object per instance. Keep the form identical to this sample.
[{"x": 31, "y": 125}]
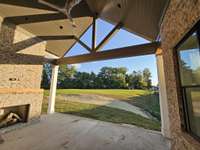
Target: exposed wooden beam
[
  {"x": 109, "y": 36},
  {"x": 75, "y": 42},
  {"x": 83, "y": 44},
  {"x": 27, "y": 19},
  {"x": 94, "y": 34},
  {"x": 136, "y": 50},
  {"x": 57, "y": 37}
]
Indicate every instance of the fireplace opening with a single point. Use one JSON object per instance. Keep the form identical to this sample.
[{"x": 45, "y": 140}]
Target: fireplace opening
[{"x": 13, "y": 115}]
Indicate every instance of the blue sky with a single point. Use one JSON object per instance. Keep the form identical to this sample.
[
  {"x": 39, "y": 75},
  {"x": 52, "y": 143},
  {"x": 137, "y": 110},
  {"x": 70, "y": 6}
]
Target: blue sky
[{"x": 121, "y": 39}]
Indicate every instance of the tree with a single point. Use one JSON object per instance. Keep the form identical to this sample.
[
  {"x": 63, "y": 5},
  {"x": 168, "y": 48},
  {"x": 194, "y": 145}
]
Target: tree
[
  {"x": 83, "y": 80},
  {"x": 135, "y": 80},
  {"x": 113, "y": 77},
  {"x": 146, "y": 78},
  {"x": 65, "y": 76},
  {"x": 46, "y": 76},
  {"x": 67, "y": 70},
  {"x": 139, "y": 80},
  {"x": 92, "y": 83},
  {"x": 108, "y": 77}
]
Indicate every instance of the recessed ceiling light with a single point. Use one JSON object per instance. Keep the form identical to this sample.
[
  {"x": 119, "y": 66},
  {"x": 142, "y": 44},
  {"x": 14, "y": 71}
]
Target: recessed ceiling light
[{"x": 119, "y": 5}]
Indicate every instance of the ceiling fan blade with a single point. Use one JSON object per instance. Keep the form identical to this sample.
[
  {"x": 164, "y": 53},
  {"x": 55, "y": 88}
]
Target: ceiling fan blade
[
  {"x": 51, "y": 5},
  {"x": 71, "y": 3},
  {"x": 66, "y": 10}
]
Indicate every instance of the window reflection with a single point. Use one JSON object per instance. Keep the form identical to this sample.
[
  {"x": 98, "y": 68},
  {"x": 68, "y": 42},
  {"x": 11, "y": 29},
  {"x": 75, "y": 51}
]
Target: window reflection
[
  {"x": 193, "y": 100},
  {"x": 190, "y": 61},
  {"x": 189, "y": 67}
]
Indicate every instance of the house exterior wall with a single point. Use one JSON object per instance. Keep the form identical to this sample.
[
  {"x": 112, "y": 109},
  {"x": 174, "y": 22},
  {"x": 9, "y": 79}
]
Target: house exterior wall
[
  {"x": 20, "y": 68},
  {"x": 180, "y": 17}
]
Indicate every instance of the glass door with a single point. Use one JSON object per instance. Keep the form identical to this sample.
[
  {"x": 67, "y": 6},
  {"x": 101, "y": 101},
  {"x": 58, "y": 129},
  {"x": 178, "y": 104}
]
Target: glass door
[{"x": 189, "y": 69}]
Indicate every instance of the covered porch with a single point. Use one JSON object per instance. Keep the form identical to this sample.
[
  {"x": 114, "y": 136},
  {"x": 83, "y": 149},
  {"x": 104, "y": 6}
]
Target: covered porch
[
  {"x": 67, "y": 132},
  {"x": 35, "y": 32}
]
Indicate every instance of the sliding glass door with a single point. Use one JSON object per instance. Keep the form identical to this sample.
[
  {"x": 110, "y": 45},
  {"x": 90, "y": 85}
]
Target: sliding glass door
[{"x": 189, "y": 69}]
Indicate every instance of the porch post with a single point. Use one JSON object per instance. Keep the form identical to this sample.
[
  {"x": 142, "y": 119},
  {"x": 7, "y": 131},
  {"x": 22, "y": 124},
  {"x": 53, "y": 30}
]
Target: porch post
[
  {"x": 52, "y": 94},
  {"x": 162, "y": 95}
]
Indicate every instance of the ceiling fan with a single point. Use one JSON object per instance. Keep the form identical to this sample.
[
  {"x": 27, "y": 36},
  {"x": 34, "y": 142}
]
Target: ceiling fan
[{"x": 66, "y": 10}]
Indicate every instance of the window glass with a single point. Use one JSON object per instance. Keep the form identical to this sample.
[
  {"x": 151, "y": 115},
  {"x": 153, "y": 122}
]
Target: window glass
[
  {"x": 189, "y": 68},
  {"x": 193, "y": 103},
  {"x": 189, "y": 61}
]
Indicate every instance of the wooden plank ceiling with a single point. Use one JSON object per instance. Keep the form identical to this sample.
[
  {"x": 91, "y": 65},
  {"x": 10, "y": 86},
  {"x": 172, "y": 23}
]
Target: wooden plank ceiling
[
  {"x": 141, "y": 17},
  {"x": 45, "y": 22}
]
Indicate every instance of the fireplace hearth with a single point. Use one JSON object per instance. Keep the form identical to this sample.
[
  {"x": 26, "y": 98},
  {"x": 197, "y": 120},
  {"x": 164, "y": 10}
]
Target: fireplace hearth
[{"x": 13, "y": 115}]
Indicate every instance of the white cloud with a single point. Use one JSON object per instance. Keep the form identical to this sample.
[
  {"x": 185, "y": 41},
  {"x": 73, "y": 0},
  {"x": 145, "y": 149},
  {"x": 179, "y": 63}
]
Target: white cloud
[{"x": 77, "y": 66}]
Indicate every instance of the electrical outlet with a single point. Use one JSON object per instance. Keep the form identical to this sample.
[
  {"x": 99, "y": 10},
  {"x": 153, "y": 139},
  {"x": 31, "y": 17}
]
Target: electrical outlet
[{"x": 1, "y": 111}]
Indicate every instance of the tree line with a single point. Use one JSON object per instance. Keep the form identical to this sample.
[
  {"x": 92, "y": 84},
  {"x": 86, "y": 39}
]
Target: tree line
[{"x": 107, "y": 78}]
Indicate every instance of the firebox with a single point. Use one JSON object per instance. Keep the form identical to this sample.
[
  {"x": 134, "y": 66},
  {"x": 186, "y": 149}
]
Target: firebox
[{"x": 13, "y": 115}]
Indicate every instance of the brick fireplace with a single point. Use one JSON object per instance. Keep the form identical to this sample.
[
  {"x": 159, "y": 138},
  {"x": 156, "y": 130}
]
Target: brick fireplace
[
  {"x": 20, "y": 73},
  {"x": 25, "y": 103}
]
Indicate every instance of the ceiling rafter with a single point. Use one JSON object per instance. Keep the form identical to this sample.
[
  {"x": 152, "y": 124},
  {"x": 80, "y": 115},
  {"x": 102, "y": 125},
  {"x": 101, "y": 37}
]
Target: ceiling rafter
[
  {"x": 83, "y": 44},
  {"x": 102, "y": 43},
  {"x": 109, "y": 36},
  {"x": 94, "y": 34},
  {"x": 136, "y": 50},
  {"x": 76, "y": 41}
]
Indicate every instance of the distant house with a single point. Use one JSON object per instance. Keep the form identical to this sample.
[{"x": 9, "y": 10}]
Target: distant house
[{"x": 155, "y": 88}]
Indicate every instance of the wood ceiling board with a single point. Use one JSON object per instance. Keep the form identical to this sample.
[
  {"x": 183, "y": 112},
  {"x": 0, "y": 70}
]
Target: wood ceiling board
[
  {"x": 59, "y": 47},
  {"x": 53, "y": 28},
  {"x": 47, "y": 27},
  {"x": 25, "y": 16},
  {"x": 25, "y": 3},
  {"x": 33, "y": 5},
  {"x": 138, "y": 16},
  {"x": 21, "y": 7},
  {"x": 146, "y": 18},
  {"x": 58, "y": 27}
]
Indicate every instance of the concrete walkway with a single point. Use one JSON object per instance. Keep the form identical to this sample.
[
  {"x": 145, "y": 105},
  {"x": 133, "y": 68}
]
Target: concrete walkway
[
  {"x": 67, "y": 132},
  {"x": 105, "y": 101}
]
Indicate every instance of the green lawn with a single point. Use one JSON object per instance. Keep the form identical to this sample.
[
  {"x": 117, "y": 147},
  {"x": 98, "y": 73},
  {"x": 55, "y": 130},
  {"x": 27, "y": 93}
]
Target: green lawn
[
  {"x": 144, "y": 99},
  {"x": 116, "y": 93},
  {"x": 102, "y": 113}
]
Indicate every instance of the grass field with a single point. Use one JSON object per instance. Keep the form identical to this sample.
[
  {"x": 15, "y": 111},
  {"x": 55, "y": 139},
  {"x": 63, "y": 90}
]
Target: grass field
[
  {"x": 116, "y": 93},
  {"x": 147, "y": 100},
  {"x": 102, "y": 113}
]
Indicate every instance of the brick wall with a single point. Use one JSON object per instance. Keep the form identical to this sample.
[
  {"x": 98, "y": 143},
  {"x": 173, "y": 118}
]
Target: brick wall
[
  {"x": 21, "y": 60},
  {"x": 181, "y": 15}
]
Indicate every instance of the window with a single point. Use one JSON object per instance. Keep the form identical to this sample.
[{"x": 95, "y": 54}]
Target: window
[{"x": 189, "y": 69}]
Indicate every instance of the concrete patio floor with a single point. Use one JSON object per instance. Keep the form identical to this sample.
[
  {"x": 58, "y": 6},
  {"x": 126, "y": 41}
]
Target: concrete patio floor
[{"x": 67, "y": 132}]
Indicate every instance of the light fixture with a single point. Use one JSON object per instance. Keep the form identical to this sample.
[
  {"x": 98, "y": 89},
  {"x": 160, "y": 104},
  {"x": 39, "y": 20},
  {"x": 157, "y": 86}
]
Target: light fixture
[{"x": 66, "y": 10}]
